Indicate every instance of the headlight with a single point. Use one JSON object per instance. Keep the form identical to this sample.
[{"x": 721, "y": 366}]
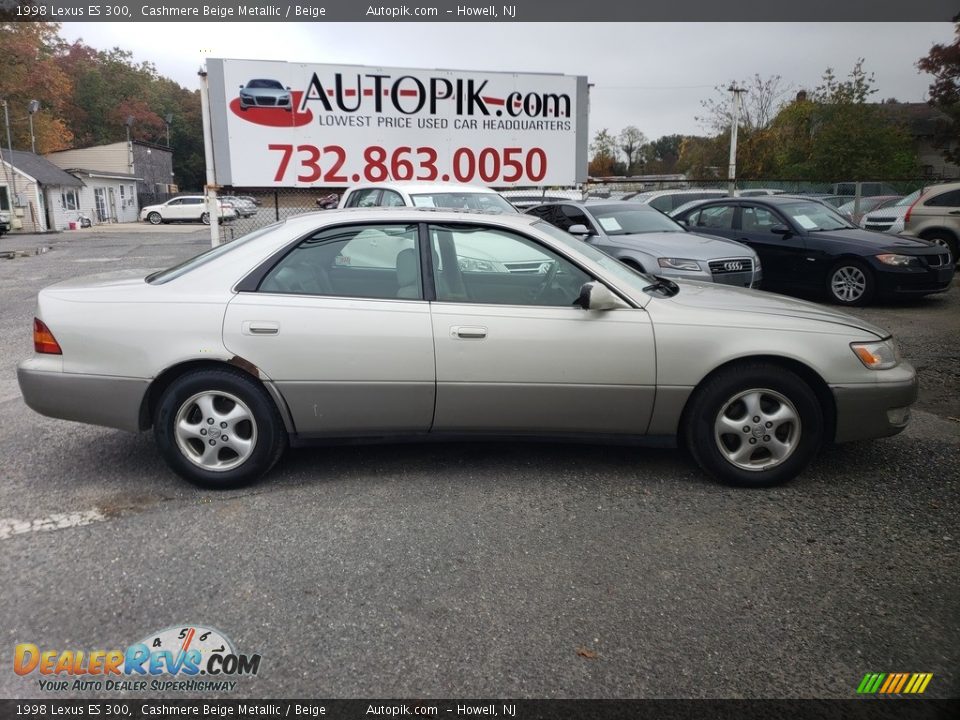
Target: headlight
[
  {"x": 881, "y": 355},
  {"x": 678, "y": 263},
  {"x": 468, "y": 264},
  {"x": 898, "y": 260}
]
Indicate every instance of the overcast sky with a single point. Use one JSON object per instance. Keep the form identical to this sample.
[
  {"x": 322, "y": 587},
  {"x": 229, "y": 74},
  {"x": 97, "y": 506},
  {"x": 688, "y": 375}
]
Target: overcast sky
[{"x": 652, "y": 75}]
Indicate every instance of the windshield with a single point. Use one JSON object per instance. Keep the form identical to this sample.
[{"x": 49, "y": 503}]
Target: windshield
[
  {"x": 489, "y": 202},
  {"x": 620, "y": 220},
  {"x": 265, "y": 85},
  {"x": 633, "y": 279},
  {"x": 908, "y": 200},
  {"x": 814, "y": 216},
  {"x": 172, "y": 273}
]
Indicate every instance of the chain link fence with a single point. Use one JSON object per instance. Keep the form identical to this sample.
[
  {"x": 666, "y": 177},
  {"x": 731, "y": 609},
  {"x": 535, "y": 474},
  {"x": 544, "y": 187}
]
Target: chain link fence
[{"x": 259, "y": 207}]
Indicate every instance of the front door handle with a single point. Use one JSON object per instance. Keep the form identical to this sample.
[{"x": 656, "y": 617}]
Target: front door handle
[
  {"x": 260, "y": 328},
  {"x": 471, "y": 332}
]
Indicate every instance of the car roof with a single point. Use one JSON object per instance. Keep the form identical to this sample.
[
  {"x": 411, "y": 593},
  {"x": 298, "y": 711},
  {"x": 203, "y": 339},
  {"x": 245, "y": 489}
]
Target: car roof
[
  {"x": 678, "y": 191},
  {"x": 422, "y": 187},
  {"x": 408, "y": 214}
]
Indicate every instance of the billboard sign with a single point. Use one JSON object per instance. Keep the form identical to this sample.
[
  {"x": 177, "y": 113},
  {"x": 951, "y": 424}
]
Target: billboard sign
[{"x": 305, "y": 125}]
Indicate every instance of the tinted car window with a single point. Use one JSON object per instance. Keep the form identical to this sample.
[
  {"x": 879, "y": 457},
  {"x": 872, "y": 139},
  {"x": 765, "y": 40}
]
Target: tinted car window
[
  {"x": 571, "y": 215},
  {"x": 814, "y": 216},
  {"x": 662, "y": 203},
  {"x": 717, "y": 216},
  {"x": 947, "y": 199},
  {"x": 370, "y": 261},
  {"x": 758, "y": 219}
]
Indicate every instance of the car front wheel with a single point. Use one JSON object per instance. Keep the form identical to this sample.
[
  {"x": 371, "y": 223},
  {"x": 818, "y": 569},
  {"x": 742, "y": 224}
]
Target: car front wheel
[
  {"x": 205, "y": 218},
  {"x": 851, "y": 282},
  {"x": 754, "y": 425},
  {"x": 154, "y": 218},
  {"x": 218, "y": 428}
]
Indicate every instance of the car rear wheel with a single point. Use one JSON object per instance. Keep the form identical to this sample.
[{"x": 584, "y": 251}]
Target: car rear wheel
[
  {"x": 154, "y": 218},
  {"x": 851, "y": 283},
  {"x": 218, "y": 428},
  {"x": 205, "y": 218},
  {"x": 754, "y": 425}
]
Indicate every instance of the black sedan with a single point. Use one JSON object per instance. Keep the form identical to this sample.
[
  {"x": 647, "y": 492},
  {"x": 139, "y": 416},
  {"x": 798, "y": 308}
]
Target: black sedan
[{"x": 806, "y": 247}]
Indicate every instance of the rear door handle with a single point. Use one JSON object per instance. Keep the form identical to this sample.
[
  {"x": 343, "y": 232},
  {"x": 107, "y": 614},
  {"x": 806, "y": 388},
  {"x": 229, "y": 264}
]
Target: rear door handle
[
  {"x": 473, "y": 332},
  {"x": 260, "y": 328}
]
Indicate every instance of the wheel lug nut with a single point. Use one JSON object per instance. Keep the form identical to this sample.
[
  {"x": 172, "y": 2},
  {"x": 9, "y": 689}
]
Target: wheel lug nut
[
  {"x": 224, "y": 438},
  {"x": 223, "y": 425},
  {"x": 753, "y": 441},
  {"x": 203, "y": 431},
  {"x": 766, "y": 438},
  {"x": 746, "y": 428},
  {"x": 769, "y": 424},
  {"x": 213, "y": 442},
  {"x": 209, "y": 421},
  {"x": 756, "y": 418}
]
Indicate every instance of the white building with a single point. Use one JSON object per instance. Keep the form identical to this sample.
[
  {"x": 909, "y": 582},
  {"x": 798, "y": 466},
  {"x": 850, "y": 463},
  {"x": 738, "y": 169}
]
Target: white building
[{"x": 33, "y": 188}]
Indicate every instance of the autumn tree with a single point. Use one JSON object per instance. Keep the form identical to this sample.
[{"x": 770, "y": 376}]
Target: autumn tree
[
  {"x": 759, "y": 105},
  {"x": 661, "y": 155},
  {"x": 29, "y": 71},
  {"x": 604, "y": 149},
  {"x": 943, "y": 62}
]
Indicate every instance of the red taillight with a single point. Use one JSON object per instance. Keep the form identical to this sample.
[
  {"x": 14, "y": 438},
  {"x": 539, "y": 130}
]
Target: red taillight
[
  {"x": 43, "y": 339},
  {"x": 906, "y": 217}
]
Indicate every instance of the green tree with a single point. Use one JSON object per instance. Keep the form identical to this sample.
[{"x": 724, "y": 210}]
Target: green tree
[
  {"x": 943, "y": 62},
  {"x": 835, "y": 134},
  {"x": 661, "y": 155},
  {"x": 631, "y": 142}
]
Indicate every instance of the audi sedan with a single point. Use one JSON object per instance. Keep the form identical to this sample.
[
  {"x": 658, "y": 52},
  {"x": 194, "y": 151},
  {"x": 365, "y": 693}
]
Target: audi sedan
[
  {"x": 807, "y": 248},
  {"x": 287, "y": 336},
  {"x": 649, "y": 241},
  {"x": 265, "y": 93}
]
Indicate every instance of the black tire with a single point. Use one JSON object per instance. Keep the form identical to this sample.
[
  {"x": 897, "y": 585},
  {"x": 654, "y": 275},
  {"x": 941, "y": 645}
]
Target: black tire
[
  {"x": 946, "y": 241},
  {"x": 260, "y": 430},
  {"x": 772, "y": 385},
  {"x": 154, "y": 218},
  {"x": 850, "y": 282},
  {"x": 205, "y": 218}
]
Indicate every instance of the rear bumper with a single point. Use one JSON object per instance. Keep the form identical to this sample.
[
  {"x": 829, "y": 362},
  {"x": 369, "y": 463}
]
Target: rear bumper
[
  {"x": 874, "y": 410},
  {"x": 94, "y": 399}
]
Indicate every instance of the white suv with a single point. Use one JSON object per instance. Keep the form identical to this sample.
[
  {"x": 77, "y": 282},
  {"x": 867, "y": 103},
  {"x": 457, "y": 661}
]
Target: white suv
[
  {"x": 186, "y": 208},
  {"x": 431, "y": 195}
]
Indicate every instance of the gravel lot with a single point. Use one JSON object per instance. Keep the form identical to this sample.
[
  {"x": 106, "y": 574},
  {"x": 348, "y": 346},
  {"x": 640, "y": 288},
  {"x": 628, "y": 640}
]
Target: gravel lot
[{"x": 507, "y": 570}]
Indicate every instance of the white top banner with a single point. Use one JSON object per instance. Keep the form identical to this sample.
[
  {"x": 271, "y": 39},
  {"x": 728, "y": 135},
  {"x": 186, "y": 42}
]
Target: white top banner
[{"x": 300, "y": 125}]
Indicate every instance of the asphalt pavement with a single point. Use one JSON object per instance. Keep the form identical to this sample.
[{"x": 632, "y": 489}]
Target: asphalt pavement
[{"x": 520, "y": 570}]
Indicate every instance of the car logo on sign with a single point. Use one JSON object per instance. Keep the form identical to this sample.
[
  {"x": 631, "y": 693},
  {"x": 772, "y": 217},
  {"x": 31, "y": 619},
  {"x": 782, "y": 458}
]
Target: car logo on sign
[{"x": 732, "y": 266}]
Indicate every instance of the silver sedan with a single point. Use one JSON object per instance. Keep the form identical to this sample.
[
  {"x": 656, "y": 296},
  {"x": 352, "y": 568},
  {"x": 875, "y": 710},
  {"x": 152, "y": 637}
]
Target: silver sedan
[
  {"x": 649, "y": 241},
  {"x": 301, "y": 332}
]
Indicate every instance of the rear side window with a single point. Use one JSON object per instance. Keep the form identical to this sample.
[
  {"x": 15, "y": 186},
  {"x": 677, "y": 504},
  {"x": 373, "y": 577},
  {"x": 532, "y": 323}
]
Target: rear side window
[{"x": 947, "y": 199}]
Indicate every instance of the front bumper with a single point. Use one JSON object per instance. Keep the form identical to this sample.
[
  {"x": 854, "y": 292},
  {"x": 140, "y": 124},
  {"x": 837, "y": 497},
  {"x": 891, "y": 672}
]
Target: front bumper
[
  {"x": 94, "y": 399},
  {"x": 875, "y": 410},
  {"x": 914, "y": 281}
]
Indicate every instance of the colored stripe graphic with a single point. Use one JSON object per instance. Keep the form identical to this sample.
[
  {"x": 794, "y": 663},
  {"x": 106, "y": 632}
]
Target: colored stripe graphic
[{"x": 894, "y": 683}]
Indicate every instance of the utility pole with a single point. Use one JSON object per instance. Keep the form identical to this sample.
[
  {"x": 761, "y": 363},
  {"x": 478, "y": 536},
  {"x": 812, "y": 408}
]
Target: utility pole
[
  {"x": 735, "y": 94},
  {"x": 13, "y": 174},
  {"x": 213, "y": 205},
  {"x": 33, "y": 107}
]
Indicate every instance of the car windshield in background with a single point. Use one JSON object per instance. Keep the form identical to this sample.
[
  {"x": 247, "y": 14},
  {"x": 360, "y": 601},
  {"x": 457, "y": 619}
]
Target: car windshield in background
[
  {"x": 617, "y": 220},
  {"x": 264, "y": 85},
  {"x": 908, "y": 200},
  {"x": 815, "y": 216},
  {"x": 630, "y": 277},
  {"x": 172, "y": 273},
  {"x": 483, "y": 202}
]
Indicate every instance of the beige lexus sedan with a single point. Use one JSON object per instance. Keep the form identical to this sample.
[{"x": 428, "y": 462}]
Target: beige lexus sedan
[{"x": 383, "y": 324}]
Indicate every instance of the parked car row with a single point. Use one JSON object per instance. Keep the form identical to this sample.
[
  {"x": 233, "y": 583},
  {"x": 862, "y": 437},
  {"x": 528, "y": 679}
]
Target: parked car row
[{"x": 4, "y": 221}]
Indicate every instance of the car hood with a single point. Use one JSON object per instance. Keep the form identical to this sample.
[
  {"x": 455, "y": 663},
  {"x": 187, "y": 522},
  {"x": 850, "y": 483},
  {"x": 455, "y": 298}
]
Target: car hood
[
  {"x": 874, "y": 240},
  {"x": 729, "y": 299},
  {"x": 681, "y": 244}
]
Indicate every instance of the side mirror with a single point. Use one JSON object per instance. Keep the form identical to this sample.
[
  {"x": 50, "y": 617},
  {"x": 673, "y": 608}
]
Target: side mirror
[
  {"x": 288, "y": 87},
  {"x": 579, "y": 230},
  {"x": 780, "y": 230},
  {"x": 597, "y": 296},
  {"x": 241, "y": 87}
]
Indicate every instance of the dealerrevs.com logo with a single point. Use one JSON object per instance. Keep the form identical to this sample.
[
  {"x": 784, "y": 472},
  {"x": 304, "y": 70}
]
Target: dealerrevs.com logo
[{"x": 178, "y": 658}]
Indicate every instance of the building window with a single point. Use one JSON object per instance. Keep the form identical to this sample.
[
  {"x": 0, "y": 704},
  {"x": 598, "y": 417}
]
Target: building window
[
  {"x": 69, "y": 200},
  {"x": 4, "y": 198}
]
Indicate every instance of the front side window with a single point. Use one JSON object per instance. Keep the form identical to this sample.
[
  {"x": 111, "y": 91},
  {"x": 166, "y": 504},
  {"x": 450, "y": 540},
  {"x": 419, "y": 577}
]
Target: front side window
[
  {"x": 366, "y": 261},
  {"x": 477, "y": 264},
  {"x": 947, "y": 199},
  {"x": 758, "y": 219},
  {"x": 717, "y": 216}
]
